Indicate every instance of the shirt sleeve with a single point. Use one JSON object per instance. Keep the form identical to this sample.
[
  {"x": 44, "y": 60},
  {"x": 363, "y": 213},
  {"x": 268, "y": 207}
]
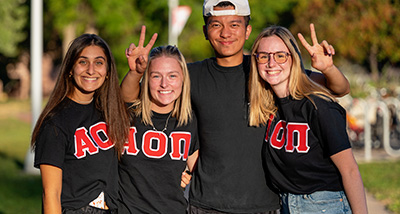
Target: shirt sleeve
[
  {"x": 332, "y": 127},
  {"x": 50, "y": 146}
]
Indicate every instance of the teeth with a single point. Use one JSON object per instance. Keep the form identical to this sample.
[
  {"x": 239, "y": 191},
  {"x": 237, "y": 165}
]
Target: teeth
[
  {"x": 90, "y": 79},
  {"x": 273, "y": 72},
  {"x": 165, "y": 92}
]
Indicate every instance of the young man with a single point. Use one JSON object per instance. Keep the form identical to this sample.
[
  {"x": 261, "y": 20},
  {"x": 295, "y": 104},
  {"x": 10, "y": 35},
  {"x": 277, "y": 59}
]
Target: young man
[{"x": 229, "y": 177}]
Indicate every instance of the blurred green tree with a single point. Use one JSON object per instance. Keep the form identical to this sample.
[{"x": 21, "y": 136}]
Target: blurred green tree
[
  {"x": 13, "y": 19},
  {"x": 365, "y": 32}
]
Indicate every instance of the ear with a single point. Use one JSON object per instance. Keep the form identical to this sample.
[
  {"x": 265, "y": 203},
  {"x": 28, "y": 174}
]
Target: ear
[
  {"x": 205, "y": 31},
  {"x": 248, "y": 31}
]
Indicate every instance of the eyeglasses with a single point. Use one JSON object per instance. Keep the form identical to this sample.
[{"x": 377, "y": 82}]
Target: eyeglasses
[{"x": 280, "y": 57}]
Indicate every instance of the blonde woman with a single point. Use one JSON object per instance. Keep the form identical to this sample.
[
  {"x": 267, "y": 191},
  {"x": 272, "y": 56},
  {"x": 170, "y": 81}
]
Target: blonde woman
[
  {"x": 163, "y": 139},
  {"x": 307, "y": 151}
]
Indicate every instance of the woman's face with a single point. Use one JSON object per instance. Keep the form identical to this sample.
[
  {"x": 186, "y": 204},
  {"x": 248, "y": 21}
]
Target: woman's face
[
  {"x": 165, "y": 83},
  {"x": 276, "y": 74},
  {"x": 89, "y": 72}
]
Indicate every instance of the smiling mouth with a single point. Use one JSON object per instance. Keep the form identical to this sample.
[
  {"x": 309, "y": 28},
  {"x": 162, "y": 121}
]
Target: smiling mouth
[
  {"x": 273, "y": 72},
  {"x": 90, "y": 78},
  {"x": 165, "y": 92}
]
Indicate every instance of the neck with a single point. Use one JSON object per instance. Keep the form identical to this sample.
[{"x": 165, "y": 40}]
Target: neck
[
  {"x": 82, "y": 101},
  {"x": 230, "y": 61}
]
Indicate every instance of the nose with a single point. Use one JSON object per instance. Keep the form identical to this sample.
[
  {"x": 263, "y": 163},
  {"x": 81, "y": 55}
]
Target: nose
[
  {"x": 90, "y": 69},
  {"x": 271, "y": 62},
  {"x": 164, "y": 82},
  {"x": 225, "y": 32}
]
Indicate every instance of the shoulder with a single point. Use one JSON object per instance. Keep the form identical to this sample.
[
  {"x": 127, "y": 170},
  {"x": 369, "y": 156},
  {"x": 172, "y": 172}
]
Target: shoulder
[{"x": 199, "y": 65}]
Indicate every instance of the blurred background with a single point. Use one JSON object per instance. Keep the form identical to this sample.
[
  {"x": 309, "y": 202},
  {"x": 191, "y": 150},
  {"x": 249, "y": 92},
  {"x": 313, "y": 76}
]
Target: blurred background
[{"x": 365, "y": 34}]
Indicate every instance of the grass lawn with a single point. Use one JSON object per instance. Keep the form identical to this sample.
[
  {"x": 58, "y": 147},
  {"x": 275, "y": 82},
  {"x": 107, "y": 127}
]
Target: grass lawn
[
  {"x": 382, "y": 179},
  {"x": 19, "y": 192}
]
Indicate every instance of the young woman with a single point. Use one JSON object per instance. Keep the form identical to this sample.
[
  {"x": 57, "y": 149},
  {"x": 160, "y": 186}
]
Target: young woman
[
  {"x": 81, "y": 132},
  {"x": 163, "y": 138},
  {"x": 307, "y": 151}
]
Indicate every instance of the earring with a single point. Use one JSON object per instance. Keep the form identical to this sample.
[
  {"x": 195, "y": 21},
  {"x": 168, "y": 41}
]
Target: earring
[{"x": 70, "y": 75}]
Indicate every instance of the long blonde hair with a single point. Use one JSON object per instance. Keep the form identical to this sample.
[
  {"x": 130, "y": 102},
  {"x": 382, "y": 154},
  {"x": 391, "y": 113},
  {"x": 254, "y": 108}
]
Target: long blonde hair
[
  {"x": 262, "y": 103},
  {"x": 182, "y": 106}
]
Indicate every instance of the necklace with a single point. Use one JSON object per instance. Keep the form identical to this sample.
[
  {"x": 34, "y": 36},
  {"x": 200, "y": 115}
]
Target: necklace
[
  {"x": 165, "y": 126},
  {"x": 82, "y": 102}
]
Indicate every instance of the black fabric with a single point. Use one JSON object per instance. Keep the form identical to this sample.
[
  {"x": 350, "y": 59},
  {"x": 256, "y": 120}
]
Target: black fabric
[
  {"x": 85, "y": 173},
  {"x": 318, "y": 133},
  {"x": 229, "y": 176},
  {"x": 150, "y": 182}
]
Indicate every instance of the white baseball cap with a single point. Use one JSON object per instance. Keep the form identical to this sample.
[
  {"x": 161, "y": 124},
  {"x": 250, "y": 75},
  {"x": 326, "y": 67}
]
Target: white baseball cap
[{"x": 242, "y": 8}]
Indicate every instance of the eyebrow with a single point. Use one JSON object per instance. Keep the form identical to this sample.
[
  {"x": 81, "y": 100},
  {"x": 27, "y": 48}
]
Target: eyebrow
[
  {"x": 98, "y": 57},
  {"x": 233, "y": 21}
]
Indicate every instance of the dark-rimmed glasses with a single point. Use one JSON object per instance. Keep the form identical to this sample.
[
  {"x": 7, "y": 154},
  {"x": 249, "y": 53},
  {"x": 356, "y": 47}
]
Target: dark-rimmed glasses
[{"x": 280, "y": 57}]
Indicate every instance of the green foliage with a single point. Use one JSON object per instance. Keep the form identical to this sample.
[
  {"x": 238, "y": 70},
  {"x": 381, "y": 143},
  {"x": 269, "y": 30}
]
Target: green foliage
[
  {"x": 365, "y": 32},
  {"x": 383, "y": 181},
  {"x": 13, "y": 19}
]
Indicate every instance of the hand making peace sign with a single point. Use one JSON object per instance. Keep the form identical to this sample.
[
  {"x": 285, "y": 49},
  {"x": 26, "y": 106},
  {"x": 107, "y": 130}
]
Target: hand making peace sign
[
  {"x": 321, "y": 54},
  {"x": 138, "y": 55}
]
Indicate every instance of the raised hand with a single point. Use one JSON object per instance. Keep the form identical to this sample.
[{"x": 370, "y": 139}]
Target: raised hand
[
  {"x": 138, "y": 55},
  {"x": 321, "y": 54}
]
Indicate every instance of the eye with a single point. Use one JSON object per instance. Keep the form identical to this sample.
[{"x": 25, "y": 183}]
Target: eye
[
  {"x": 154, "y": 76},
  {"x": 215, "y": 25},
  {"x": 99, "y": 62},
  {"x": 82, "y": 62},
  {"x": 263, "y": 56}
]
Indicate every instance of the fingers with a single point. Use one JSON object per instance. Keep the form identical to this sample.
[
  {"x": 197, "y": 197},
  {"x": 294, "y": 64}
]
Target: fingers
[
  {"x": 303, "y": 41},
  {"x": 328, "y": 49},
  {"x": 313, "y": 34},
  {"x": 129, "y": 50},
  {"x": 152, "y": 41},
  {"x": 142, "y": 36},
  {"x": 185, "y": 179}
]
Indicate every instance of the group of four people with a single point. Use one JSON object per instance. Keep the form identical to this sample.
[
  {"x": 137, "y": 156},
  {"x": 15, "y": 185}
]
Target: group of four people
[{"x": 249, "y": 128}]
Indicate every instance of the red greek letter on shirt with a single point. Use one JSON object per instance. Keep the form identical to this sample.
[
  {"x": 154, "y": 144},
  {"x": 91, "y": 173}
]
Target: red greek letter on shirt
[
  {"x": 160, "y": 140},
  {"x": 83, "y": 142},
  {"x": 130, "y": 147},
  {"x": 179, "y": 138},
  {"x": 285, "y": 133}
]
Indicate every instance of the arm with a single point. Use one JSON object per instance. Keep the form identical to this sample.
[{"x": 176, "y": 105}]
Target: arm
[
  {"x": 52, "y": 186},
  {"x": 352, "y": 181},
  {"x": 321, "y": 59},
  {"x": 191, "y": 163},
  {"x": 137, "y": 60}
]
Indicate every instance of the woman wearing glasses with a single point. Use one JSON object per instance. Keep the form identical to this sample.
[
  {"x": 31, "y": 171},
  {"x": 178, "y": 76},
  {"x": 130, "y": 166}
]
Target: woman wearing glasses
[{"x": 307, "y": 151}]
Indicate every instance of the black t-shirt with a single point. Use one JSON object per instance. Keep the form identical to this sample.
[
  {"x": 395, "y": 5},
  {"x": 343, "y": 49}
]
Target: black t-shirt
[
  {"x": 75, "y": 140},
  {"x": 229, "y": 176},
  {"x": 152, "y": 164},
  {"x": 301, "y": 140}
]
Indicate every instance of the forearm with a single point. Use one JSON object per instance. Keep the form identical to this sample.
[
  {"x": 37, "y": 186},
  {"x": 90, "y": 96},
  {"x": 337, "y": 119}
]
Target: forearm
[
  {"x": 51, "y": 203},
  {"x": 354, "y": 189},
  {"x": 336, "y": 81},
  {"x": 130, "y": 86}
]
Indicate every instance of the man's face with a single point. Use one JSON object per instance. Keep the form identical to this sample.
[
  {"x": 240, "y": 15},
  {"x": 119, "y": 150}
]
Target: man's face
[{"x": 227, "y": 34}]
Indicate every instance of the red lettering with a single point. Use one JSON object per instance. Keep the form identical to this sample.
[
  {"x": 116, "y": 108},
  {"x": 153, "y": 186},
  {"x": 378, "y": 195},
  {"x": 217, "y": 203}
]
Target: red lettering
[
  {"x": 285, "y": 132},
  {"x": 83, "y": 143},
  {"x": 302, "y": 137},
  {"x": 131, "y": 147},
  {"x": 277, "y": 141},
  {"x": 95, "y": 130},
  {"x": 152, "y": 137},
  {"x": 179, "y": 138}
]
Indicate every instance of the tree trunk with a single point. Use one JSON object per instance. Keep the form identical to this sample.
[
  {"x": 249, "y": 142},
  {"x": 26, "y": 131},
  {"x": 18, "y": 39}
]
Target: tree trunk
[{"x": 373, "y": 63}]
